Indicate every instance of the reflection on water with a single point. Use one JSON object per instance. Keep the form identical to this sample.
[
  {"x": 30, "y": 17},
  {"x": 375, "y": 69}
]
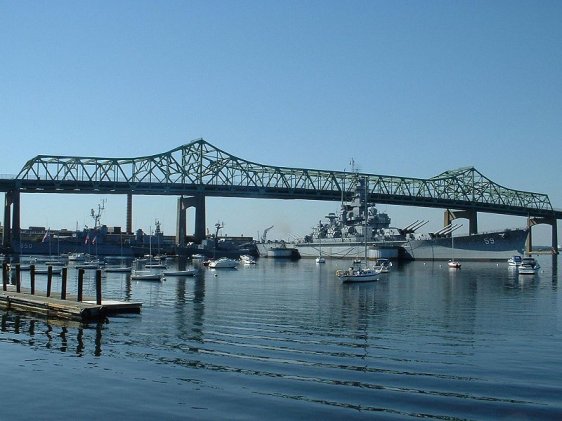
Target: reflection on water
[
  {"x": 67, "y": 338},
  {"x": 288, "y": 338}
]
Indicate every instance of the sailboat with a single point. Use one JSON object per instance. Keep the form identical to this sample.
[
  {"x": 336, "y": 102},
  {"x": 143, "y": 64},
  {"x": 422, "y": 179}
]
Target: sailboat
[
  {"x": 453, "y": 264},
  {"x": 357, "y": 272},
  {"x": 147, "y": 275}
]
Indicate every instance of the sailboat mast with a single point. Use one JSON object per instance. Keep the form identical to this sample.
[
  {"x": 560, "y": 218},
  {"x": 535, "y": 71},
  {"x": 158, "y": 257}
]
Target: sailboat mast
[{"x": 365, "y": 220}]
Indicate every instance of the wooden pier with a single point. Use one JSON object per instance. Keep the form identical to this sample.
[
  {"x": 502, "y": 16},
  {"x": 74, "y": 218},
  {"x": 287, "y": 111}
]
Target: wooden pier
[{"x": 78, "y": 308}]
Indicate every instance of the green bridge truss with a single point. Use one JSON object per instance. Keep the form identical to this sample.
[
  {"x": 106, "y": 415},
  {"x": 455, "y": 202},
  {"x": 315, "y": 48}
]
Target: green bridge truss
[{"x": 201, "y": 168}]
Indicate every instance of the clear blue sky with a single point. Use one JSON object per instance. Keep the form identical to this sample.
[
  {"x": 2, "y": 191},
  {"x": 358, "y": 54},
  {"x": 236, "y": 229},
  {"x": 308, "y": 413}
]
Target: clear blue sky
[{"x": 409, "y": 88}]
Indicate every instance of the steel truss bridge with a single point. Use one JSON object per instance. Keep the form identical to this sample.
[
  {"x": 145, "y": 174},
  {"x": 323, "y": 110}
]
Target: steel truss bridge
[{"x": 199, "y": 169}]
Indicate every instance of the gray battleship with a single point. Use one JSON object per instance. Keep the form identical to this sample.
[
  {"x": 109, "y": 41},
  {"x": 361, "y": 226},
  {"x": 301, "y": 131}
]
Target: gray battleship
[{"x": 343, "y": 235}]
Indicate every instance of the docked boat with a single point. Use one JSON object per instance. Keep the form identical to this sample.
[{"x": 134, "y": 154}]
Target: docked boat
[
  {"x": 528, "y": 266},
  {"x": 342, "y": 235},
  {"x": 223, "y": 263},
  {"x": 278, "y": 250}
]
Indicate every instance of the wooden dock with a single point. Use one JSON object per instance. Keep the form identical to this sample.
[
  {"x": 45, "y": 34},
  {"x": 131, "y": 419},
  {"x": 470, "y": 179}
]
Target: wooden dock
[
  {"x": 78, "y": 308},
  {"x": 86, "y": 310}
]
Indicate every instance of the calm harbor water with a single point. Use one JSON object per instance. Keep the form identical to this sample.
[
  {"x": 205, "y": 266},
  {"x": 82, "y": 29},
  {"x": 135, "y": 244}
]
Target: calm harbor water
[{"x": 286, "y": 340}]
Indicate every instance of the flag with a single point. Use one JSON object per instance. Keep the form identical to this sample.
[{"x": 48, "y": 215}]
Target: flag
[
  {"x": 87, "y": 238},
  {"x": 46, "y": 236},
  {"x": 94, "y": 239}
]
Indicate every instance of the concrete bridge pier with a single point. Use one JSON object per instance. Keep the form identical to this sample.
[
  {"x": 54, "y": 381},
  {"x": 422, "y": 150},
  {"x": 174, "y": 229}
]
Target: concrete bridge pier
[
  {"x": 553, "y": 222},
  {"x": 198, "y": 202},
  {"x": 129, "y": 213},
  {"x": 12, "y": 228},
  {"x": 471, "y": 215}
]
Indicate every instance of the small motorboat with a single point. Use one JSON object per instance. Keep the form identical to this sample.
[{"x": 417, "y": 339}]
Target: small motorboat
[
  {"x": 514, "y": 261},
  {"x": 454, "y": 264},
  {"x": 320, "y": 259},
  {"x": 155, "y": 266},
  {"x": 247, "y": 259},
  {"x": 383, "y": 264},
  {"x": 117, "y": 269},
  {"x": 146, "y": 275},
  {"x": 528, "y": 266},
  {"x": 179, "y": 273},
  {"x": 223, "y": 263}
]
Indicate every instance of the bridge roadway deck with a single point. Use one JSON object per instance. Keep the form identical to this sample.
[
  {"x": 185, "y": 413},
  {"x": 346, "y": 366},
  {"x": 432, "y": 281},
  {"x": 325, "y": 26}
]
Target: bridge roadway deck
[{"x": 174, "y": 189}]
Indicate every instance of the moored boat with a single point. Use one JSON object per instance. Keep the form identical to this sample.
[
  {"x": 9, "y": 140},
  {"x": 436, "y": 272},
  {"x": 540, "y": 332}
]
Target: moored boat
[
  {"x": 223, "y": 263},
  {"x": 180, "y": 273},
  {"x": 514, "y": 260},
  {"x": 383, "y": 264},
  {"x": 146, "y": 275},
  {"x": 528, "y": 266},
  {"x": 246, "y": 259},
  {"x": 358, "y": 273}
]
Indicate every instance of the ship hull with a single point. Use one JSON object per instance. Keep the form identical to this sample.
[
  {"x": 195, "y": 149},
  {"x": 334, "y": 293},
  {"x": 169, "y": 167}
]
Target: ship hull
[
  {"x": 488, "y": 246},
  {"x": 348, "y": 250}
]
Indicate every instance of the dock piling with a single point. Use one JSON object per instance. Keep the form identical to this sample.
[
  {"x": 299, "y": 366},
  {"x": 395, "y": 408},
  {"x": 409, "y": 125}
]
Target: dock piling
[
  {"x": 32, "y": 279},
  {"x": 98, "y": 286},
  {"x": 63, "y": 283},
  {"x": 80, "y": 284},
  {"x": 18, "y": 277},
  {"x": 49, "y": 279},
  {"x": 5, "y": 276}
]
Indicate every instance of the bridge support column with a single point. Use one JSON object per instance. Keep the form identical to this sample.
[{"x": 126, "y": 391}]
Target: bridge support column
[
  {"x": 536, "y": 221},
  {"x": 129, "y": 213},
  {"x": 471, "y": 215},
  {"x": 16, "y": 227},
  {"x": 7, "y": 233},
  {"x": 198, "y": 202}
]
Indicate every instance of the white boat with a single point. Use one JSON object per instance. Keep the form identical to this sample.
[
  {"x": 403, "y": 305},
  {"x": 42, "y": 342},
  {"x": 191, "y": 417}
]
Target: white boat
[
  {"x": 223, "y": 262},
  {"x": 155, "y": 266},
  {"x": 247, "y": 259},
  {"x": 45, "y": 271},
  {"x": 179, "y": 273},
  {"x": 453, "y": 264},
  {"x": 357, "y": 272},
  {"x": 117, "y": 269},
  {"x": 320, "y": 259},
  {"x": 514, "y": 260},
  {"x": 146, "y": 275},
  {"x": 528, "y": 266},
  {"x": 76, "y": 257},
  {"x": 384, "y": 265}
]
